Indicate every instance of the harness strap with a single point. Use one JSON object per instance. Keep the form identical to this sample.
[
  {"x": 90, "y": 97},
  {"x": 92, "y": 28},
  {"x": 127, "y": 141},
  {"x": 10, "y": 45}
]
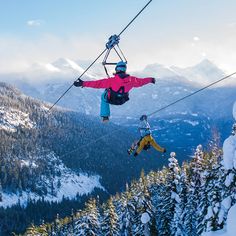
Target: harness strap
[
  {"x": 106, "y": 71},
  {"x": 121, "y": 90}
]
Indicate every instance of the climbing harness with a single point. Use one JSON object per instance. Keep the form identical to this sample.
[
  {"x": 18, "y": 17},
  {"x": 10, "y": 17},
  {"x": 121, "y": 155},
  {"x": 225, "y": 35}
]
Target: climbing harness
[
  {"x": 117, "y": 98},
  {"x": 147, "y": 147},
  {"x": 113, "y": 43}
]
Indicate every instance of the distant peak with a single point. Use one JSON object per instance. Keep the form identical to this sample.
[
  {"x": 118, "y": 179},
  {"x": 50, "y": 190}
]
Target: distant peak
[
  {"x": 206, "y": 62},
  {"x": 67, "y": 63}
]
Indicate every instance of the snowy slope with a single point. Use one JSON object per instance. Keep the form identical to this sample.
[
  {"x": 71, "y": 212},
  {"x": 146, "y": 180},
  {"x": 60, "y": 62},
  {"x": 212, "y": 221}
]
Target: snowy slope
[
  {"x": 11, "y": 118},
  {"x": 30, "y": 169},
  {"x": 65, "y": 134},
  {"x": 65, "y": 184}
]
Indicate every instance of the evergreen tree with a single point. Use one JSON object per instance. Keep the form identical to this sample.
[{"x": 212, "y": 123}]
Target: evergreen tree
[
  {"x": 182, "y": 189},
  {"x": 110, "y": 224},
  {"x": 203, "y": 206},
  {"x": 214, "y": 189},
  {"x": 178, "y": 195},
  {"x": 124, "y": 213},
  {"x": 168, "y": 208},
  {"x": 31, "y": 231},
  {"x": 145, "y": 209},
  {"x": 229, "y": 181},
  {"x": 88, "y": 223},
  {"x": 42, "y": 230},
  {"x": 190, "y": 215},
  {"x": 158, "y": 196},
  {"x": 133, "y": 208}
]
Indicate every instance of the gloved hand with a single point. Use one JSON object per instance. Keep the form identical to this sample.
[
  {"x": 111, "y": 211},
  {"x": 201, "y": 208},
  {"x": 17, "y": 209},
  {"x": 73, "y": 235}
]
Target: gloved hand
[
  {"x": 153, "y": 80},
  {"x": 78, "y": 83}
]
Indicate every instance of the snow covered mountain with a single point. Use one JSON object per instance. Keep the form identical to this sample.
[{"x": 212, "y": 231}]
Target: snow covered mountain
[
  {"x": 29, "y": 169},
  {"x": 60, "y": 145},
  {"x": 160, "y": 70},
  {"x": 203, "y": 73},
  {"x": 39, "y": 74},
  {"x": 53, "y": 79},
  {"x": 52, "y": 187},
  {"x": 67, "y": 66},
  {"x": 62, "y": 157}
]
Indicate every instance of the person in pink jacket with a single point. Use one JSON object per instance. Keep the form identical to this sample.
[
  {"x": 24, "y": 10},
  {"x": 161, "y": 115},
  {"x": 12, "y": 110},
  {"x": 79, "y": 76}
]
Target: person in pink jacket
[{"x": 116, "y": 88}]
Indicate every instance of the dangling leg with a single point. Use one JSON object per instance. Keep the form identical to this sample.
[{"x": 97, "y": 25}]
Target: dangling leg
[
  {"x": 155, "y": 145},
  {"x": 105, "y": 107},
  {"x": 133, "y": 147},
  {"x": 142, "y": 143}
]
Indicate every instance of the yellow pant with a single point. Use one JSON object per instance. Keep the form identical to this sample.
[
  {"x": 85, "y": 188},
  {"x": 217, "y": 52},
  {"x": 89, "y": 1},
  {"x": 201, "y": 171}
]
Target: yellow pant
[{"x": 148, "y": 139}]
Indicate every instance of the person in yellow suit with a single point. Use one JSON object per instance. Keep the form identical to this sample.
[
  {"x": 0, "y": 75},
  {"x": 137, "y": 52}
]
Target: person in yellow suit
[{"x": 146, "y": 138}]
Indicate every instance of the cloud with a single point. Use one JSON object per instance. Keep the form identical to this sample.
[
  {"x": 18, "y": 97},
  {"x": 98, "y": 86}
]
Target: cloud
[
  {"x": 34, "y": 23},
  {"x": 17, "y": 54},
  {"x": 232, "y": 25}
]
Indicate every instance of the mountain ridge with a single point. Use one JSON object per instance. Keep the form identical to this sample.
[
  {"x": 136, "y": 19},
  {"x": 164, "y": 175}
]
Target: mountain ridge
[{"x": 172, "y": 84}]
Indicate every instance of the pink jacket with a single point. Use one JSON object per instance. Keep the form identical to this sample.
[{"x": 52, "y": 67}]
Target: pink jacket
[{"x": 116, "y": 82}]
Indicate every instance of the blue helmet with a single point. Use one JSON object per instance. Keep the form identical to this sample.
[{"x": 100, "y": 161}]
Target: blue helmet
[{"x": 121, "y": 66}]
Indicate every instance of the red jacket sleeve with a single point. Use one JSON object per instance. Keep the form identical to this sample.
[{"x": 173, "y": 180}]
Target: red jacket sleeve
[
  {"x": 102, "y": 83},
  {"x": 137, "y": 82}
]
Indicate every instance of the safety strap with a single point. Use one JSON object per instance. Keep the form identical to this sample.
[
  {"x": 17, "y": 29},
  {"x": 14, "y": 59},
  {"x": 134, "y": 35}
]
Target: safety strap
[
  {"x": 113, "y": 43},
  {"x": 106, "y": 71}
]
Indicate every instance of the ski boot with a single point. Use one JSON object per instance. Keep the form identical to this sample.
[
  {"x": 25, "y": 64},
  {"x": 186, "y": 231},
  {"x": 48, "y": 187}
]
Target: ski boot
[{"x": 105, "y": 119}]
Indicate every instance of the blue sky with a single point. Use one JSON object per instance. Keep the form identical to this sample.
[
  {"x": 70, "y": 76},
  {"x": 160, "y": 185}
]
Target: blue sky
[{"x": 180, "y": 32}]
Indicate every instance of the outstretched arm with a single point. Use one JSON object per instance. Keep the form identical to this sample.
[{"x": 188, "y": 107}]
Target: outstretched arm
[
  {"x": 102, "y": 83},
  {"x": 138, "y": 82}
]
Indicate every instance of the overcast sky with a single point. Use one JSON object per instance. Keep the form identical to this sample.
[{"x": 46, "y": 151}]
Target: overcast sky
[{"x": 169, "y": 32}]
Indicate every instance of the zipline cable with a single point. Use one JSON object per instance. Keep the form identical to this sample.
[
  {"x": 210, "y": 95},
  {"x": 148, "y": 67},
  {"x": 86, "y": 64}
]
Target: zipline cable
[
  {"x": 134, "y": 18},
  {"x": 99, "y": 55},
  {"x": 191, "y": 94},
  {"x": 171, "y": 104}
]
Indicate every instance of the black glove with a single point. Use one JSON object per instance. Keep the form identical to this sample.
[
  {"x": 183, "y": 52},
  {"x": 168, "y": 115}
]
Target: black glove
[
  {"x": 78, "y": 83},
  {"x": 153, "y": 80}
]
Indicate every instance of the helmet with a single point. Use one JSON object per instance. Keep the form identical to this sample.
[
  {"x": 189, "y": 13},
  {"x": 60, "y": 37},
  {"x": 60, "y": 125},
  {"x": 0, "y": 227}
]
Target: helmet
[
  {"x": 143, "y": 117},
  {"x": 121, "y": 66}
]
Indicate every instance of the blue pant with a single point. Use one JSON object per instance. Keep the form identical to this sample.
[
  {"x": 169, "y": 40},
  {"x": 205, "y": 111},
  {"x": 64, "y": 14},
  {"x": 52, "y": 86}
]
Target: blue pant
[{"x": 105, "y": 106}]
